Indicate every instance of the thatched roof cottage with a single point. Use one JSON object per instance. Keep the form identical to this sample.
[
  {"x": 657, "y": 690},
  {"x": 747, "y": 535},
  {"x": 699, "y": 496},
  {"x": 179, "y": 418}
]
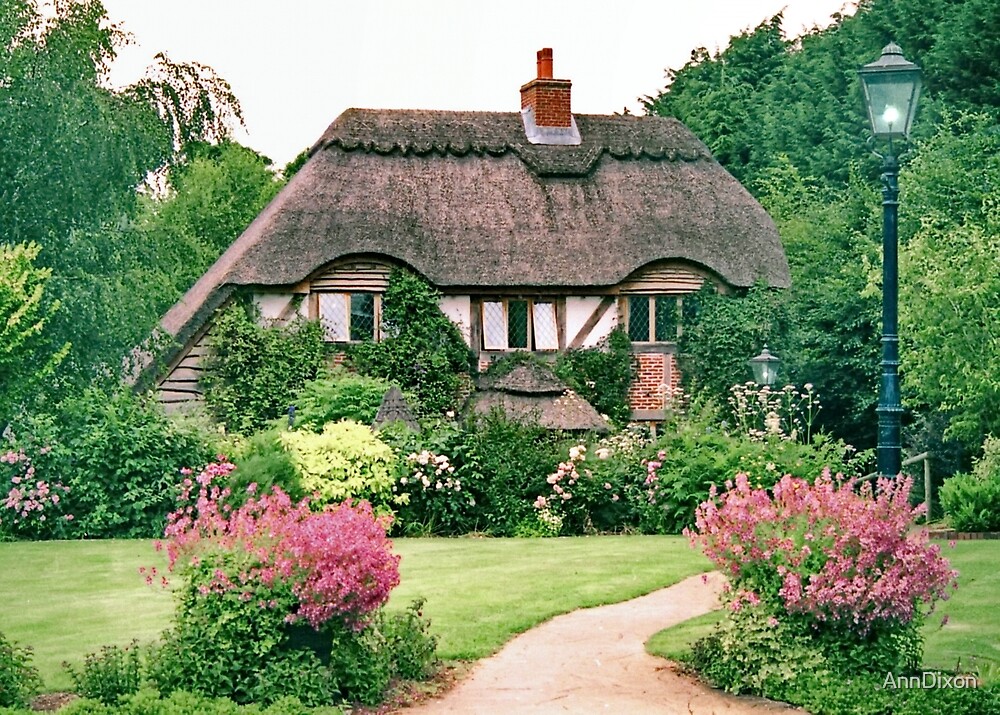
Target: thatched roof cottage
[{"x": 542, "y": 229}]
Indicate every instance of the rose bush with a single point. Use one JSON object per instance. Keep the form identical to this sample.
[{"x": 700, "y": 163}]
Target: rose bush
[{"x": 30, "y": 506}]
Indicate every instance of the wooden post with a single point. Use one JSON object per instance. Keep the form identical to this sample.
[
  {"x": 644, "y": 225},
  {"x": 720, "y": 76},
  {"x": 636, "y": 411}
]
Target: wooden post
[{"x": 927, "y": 488}]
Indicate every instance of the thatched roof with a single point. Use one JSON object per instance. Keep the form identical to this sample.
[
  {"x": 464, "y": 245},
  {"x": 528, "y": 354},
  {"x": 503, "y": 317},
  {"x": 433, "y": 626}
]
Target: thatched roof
[
  {"x": 530, "y": 392},
  {"x": 464, "y": 199},
  {"x": 529, "y": 378},
  {"x": 568, "y": 411},
  {"x": 395, "y": 408}
]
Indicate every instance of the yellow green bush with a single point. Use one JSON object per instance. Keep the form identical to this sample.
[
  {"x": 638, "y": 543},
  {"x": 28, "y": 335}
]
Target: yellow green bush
[{"x": 344, "y": 461}]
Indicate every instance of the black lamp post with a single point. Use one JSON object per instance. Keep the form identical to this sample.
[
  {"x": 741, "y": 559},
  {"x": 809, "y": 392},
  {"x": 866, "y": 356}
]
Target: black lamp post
[
  {"x": 765, "y": 367},
  {"x": 892, "y": 87}
]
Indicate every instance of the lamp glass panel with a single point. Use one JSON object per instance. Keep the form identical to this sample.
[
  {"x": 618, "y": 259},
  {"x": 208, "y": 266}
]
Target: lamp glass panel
[{"x": 891, "y": 100}]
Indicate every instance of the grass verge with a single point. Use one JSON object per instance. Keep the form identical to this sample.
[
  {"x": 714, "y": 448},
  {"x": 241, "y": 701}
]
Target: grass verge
[{"x": 66, "y": 599}]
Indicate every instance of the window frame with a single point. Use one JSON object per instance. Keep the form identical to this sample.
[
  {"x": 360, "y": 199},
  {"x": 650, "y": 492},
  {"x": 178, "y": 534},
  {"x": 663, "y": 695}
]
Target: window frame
[
  {"x": 486, "y": 345},
  {"x": 652, "y": 310},
  {"x": 316, "y": 311}
]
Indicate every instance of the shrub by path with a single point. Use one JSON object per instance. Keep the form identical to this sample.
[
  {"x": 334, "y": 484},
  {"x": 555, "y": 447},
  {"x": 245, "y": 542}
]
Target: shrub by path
[{"x": 594, "y": 661}]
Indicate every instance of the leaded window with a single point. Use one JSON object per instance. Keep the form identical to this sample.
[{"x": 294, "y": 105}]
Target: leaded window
[
  {"x": 655, "y": 318},
  {"x": 349, "y": 317},
  {"x": 519, "y": 324}
]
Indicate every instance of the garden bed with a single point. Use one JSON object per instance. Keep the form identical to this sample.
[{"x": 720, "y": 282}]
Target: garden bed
[{"x": 952, "y": 535}]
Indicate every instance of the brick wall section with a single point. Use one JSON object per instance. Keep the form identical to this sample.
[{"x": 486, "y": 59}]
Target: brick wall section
[
  {"x": 550, "y": 99},
  {"x": 656, "y": 377},
  {"x": 337, "y": 359}
]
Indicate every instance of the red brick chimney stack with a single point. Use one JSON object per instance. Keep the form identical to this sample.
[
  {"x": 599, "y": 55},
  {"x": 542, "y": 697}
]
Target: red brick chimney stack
[{"x": 549, "y": 98}]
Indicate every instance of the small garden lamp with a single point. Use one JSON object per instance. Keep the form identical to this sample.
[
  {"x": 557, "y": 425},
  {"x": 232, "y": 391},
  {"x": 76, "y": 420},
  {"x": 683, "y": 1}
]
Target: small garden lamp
[
  {"x": 765, "y": 367},
  {"x": 892, "y": 88}
]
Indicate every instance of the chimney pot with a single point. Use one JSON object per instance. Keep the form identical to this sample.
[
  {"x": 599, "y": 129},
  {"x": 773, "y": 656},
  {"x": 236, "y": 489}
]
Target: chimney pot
[{"x": 545, "y": 63}]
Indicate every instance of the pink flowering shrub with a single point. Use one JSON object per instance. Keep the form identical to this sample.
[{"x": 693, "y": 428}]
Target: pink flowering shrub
[
  {"x": 30, "y": 506},
  {"x": 260, "y": 577},
  {"x": 823, "y": 577},
  {"x": 336, "y": 563},
  {"x": 824, "y": 549}
]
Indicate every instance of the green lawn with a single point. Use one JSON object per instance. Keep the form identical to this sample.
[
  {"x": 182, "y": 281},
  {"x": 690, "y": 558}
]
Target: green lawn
[
  {"x": 66, "y": 599},
  {"x": 970, "y": 639}
]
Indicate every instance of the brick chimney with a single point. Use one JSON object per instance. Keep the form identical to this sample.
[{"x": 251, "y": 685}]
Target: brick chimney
[{"x": 545, "y": 106}]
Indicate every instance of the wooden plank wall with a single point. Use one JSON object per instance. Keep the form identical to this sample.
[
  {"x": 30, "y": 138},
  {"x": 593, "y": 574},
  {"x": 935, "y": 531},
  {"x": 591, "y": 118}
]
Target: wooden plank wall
[
  {"x": 360, "y": 276},
  {"x": 182, "y": 385},
  {"x": 664, "y": 279}
]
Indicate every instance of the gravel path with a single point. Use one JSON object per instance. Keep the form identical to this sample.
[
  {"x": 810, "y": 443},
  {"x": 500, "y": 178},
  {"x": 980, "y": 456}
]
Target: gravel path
[{"x": 593, "y": 661}]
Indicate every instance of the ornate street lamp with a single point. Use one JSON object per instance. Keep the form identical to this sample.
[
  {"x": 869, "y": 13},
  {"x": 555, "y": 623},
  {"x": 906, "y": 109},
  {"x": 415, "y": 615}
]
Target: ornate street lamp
[
  {"x": 765, "y": 367},
  {"x": 892, "y": 88}
]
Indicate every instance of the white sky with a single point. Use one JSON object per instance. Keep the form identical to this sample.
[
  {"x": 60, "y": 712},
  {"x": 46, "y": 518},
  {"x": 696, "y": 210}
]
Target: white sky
[{"x": 297, "y": 64}]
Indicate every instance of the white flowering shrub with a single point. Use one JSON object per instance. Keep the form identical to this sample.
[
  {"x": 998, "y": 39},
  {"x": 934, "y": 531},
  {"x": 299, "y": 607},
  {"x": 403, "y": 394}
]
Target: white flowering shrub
[{"x": 431, "y": 496}]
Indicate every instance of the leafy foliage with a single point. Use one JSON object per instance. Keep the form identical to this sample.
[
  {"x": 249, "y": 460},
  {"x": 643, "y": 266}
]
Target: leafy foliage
[
  {"x": 262, "y": 459},
  {"x": 216, "y": 193},
  {"x": 19, "y": 679},
  {"x": 108, "y": 675},
  {"x": 601, "y": 375},
  {"x": 338, "y": 395},
  {"x": 26, "y": 357},
  {"x": 951, "y": 293},
  {"x": 73, "y": 153},
  {"x": 726, "y": 331},
  {"x": 786, "y": 117},
  {"x": 514, "y": 459},
  {"x": 715, "y": 95},
  {"x": 832, "y": 314},
  {"x": 422, "y": 351},
  {"x": 255, "y": 371},
  {"x": 344, "y": 461},
  {"x": 972, "y": 501},
  {"x": 150, "y": 702},
  {"x": 118, "y": 455}
]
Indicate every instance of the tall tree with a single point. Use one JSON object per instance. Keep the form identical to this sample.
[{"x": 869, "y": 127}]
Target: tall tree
[
  {"x": 794, "y": 132},
  {"x": 714, "y": 94},
  {"x": 950, "y": 285},
  {"x": 75, "y": 157},
  {"x": 25, "y": 310}
]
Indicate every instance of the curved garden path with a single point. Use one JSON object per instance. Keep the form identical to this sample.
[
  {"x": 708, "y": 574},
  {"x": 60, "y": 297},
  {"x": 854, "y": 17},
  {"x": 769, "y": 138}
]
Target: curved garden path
[{"x": 593, "y": 661}]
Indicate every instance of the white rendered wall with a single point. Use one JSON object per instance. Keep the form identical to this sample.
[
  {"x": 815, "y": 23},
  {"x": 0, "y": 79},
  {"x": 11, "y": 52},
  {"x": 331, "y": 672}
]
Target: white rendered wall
[
  {"x": 458, "y": 308},
  {"x": 273, "y": 305},
  {"x": 579, "y": 310}
]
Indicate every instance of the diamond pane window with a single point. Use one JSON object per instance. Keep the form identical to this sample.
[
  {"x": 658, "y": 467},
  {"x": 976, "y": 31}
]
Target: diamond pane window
[
  {"x": 665, "y": 307},
  {"x": 517, "y": 324},
  {"x": 638, "y": 318},
  {"x": 333, "y": 316},
  {"x": 362, "y": 316},
  {"x": 494, "y": 326},
  {"x": 544, "y": 323}
]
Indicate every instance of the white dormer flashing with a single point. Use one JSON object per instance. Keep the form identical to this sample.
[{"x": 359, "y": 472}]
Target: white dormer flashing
[{"x": 564, "y": 136}]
